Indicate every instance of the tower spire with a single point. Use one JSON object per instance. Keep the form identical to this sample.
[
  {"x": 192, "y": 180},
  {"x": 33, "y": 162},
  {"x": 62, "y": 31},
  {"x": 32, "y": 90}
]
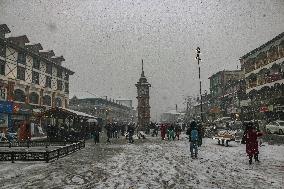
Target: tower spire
[{"x": 142, "y": 74}]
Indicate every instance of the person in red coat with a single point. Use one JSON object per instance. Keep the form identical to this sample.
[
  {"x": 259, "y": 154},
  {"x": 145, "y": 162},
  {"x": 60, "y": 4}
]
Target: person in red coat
[
  {"x": 252, "y": 143},
  {"x": 163, "y": 131}
]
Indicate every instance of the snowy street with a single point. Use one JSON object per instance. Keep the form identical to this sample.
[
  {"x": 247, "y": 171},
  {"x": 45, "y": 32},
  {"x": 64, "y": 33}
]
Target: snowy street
[{"x": 151, "y": 163}]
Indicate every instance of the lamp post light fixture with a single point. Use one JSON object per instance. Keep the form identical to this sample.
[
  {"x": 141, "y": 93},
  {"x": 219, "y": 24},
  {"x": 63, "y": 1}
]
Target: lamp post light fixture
[{"x": 198, "y": 62}]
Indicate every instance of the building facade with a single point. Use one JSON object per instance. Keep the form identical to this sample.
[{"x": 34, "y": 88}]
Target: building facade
[
  {"x": 124, "y": 102},
  {"x": 264, "y": 76},
  {"x": 31, "y": 80},
  {"x": 107, "y": 110},
  {"x": 225, "y": 91},
  {"x": 143, "y": 97}
]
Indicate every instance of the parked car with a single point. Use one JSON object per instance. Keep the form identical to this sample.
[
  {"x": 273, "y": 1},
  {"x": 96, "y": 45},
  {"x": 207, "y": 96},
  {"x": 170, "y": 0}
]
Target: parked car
[
  {"x": 275, "y": 127},
  {"x": 235, "y": 125},
  {"x": 222, "y": 122}
]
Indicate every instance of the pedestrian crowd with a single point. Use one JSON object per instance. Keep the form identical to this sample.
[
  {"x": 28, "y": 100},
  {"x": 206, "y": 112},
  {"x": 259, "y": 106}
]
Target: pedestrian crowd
[{"x": 172, "y": 132}]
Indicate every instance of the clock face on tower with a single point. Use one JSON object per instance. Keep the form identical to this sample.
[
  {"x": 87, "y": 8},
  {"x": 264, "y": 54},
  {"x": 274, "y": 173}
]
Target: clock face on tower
[{"x": 143, "y": 91}]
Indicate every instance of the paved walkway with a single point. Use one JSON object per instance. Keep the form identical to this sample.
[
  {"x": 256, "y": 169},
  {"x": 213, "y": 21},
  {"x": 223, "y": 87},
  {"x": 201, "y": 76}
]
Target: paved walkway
[{"x": 150, "y": 163}]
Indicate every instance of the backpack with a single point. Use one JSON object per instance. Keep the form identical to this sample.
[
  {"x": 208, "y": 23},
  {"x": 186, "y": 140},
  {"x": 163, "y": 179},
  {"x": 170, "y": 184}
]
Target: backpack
[{"x": 194, "y": 135}]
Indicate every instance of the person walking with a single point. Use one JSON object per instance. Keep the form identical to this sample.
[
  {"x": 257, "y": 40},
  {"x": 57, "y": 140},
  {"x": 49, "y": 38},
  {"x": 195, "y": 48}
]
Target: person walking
[
  {"x": 177, "y": 131},
  {"x": 130, "y": 131},
  {"x": 96, "y": 134},
  {"x": 252, "y": 143},
  {"x": 109, "y": 131},
  {"x": 163, "y": 131},
  {"x": 171, "y": 133},
  {"x": 194, "y": 141},
  {"x": 155, "y": 130}
]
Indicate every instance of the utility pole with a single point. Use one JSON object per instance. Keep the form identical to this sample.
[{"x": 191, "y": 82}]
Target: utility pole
[{"x": 198, "y": 62}]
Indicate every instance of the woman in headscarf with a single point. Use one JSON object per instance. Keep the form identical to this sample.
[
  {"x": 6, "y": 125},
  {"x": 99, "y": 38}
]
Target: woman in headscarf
[{"x": 251, "y": 142}]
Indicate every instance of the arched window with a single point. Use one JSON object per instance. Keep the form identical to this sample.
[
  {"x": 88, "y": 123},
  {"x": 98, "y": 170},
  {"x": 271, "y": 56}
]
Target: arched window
[
  {"x": 46, "y": 100},
  {"x": 34, "y": 98},
  {"x": 58, "y": 102},
  {"x": 19, "y": 95}
]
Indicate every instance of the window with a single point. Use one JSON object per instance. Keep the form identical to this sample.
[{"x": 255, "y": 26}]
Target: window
[
  {"x": 19, "y": 95},
  {"x": 67, "y": 87},
  {"x": 2, "y": 50},
  {"x": 58, "y": 102},
  {"x": 21, "y": 58},
  {"x": 66, "y": 76},
  {"x": 59, "y": 73},
  {"x": 21, "y": 72},
  {"x": 49, "y": 69},
  {"x": 59, "y": 85},
  {"x": 48, "y": 82},
  {"x": 36, "y": 63},
  {"x": 35, "y": 79},
  {"x": 2, "y": 67},
  {"x": 34, "y": 98},
  {"x": 46, "y": 100}
]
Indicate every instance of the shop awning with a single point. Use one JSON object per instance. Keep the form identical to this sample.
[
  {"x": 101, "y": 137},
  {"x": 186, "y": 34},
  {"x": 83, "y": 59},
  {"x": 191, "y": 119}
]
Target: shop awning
[
  {"x": 62, "y": 113},
  {"x": 78, "y": 113}
]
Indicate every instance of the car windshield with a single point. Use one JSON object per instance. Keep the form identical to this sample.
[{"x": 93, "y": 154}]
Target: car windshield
[{"x": 281, "y": 123}]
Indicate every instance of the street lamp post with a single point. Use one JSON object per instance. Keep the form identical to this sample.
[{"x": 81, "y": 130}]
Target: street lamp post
[{"x": 198, "y": 61}]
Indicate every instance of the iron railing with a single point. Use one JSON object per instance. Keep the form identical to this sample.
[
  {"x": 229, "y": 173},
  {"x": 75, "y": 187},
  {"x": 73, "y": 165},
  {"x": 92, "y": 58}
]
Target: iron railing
[{"x": 46, "y": 155}]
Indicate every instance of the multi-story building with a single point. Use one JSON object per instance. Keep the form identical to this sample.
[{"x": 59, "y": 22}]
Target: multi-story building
[
  {"x": 30, "y": 79},
  {"x": 225, "y": 87},
  {"x": 125, "y": 102},
  {"x": 195, "y": 110},
  {"x": 221, "y": 79},
  {"x": 107, "y": 110},
  {"x": 264, "y": 76}
]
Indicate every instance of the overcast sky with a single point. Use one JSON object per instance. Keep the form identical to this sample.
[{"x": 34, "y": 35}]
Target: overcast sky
[{"x": 103, "y": 41}]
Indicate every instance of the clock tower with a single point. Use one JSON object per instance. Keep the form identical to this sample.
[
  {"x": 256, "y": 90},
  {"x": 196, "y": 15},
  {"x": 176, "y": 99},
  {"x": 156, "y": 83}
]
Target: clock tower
[{"x": 143, "y": 101}]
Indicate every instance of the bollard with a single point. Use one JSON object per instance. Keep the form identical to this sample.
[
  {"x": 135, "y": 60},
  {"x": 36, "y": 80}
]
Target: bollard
[
  {"x": 58, "y": 153},
  {"x": 10, "y": 144},
  {"x": 46, "y": 156},
  {"x": 12, "y": 157}
]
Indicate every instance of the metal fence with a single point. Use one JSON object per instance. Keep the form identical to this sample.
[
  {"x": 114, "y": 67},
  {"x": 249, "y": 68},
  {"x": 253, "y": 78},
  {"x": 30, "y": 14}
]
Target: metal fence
[
  {"x": 35, "y": 143},
  {"x": 46, "y": 155}
]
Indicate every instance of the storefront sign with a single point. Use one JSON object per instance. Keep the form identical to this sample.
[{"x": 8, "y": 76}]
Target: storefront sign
[
  {"x": 6, "y": 107},
  {"x": 3, "y": 93}
]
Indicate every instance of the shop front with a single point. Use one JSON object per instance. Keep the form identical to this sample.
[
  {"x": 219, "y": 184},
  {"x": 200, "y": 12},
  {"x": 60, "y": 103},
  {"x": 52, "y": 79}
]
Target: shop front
[
  {"x": 21, "y": 120},
  {"x": 6, "y": 109}
]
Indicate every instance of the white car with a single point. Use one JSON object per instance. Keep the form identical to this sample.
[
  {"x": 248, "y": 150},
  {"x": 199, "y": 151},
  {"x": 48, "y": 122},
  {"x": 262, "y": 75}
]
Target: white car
[{"x": 275, "y": 127}]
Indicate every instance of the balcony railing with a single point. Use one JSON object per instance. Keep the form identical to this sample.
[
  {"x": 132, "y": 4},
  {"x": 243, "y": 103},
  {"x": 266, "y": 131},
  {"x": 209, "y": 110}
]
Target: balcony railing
[{"x": 267, "y": 79}]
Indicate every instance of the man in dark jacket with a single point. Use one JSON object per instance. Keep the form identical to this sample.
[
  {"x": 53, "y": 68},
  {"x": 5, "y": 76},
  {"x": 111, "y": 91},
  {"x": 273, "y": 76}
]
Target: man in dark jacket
[
  {"x": 109, "y": 131},
  {"x": 97, "y": 131},
  {"x": 130, "y": 131}
]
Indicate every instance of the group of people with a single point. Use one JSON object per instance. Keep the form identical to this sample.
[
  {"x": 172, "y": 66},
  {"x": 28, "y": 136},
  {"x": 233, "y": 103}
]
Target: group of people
[
  {"x": 194, "y": 132},
  {"x": 114, "y": 130},
  {"x": 171, "y": 131}
]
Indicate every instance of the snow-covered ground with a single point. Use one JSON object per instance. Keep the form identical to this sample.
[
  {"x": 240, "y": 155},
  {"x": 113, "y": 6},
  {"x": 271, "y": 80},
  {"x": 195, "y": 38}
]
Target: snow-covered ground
[{"x": 151, "y": 163}]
